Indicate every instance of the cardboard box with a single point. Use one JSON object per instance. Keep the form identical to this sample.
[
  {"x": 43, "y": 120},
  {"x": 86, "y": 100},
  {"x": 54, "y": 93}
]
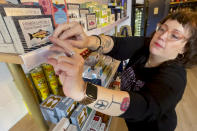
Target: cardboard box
[
  {"x": 79, "y": 116},
  {"x": 62, "y": 125},
  {"x": 48, "y": 108}
]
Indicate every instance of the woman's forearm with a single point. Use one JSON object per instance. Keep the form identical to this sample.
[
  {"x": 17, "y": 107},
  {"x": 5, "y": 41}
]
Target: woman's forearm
[
  {"x": 111, "y": 102},
  {"x": 106, "y": 43}
]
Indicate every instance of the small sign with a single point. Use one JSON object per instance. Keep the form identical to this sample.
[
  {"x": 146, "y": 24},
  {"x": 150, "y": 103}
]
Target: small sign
[{"x": 156, "y": 10}]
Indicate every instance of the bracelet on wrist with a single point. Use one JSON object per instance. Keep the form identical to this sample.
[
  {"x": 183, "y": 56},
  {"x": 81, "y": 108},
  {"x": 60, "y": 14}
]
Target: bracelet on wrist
[{"x": 99, "y": 42}]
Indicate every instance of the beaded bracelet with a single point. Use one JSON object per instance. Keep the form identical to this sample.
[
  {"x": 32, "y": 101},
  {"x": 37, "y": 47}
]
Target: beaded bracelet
[{"x": 99, "y": 43}]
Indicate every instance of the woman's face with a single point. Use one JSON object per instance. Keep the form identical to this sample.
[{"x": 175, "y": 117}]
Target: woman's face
[{"x": 169, "y": 40}]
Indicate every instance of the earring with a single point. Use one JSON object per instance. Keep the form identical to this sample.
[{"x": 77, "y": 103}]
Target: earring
[{"x": 180, "y": 56}]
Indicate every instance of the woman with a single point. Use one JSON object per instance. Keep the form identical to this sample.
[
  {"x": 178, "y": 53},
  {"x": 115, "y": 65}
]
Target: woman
[{"x": 153, "y": 82}]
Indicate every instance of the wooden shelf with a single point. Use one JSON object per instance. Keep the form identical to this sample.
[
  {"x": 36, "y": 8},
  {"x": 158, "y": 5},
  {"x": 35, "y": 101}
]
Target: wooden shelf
[
  {"x": 10, "y": 58},
  {"x": 177, "y": 3},
  {"x": 107, "y": 28}
]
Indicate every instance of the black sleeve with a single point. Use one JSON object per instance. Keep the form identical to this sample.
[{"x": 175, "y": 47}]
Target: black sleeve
[
  {"x": 160, "y": 95},
  {"x": 125, "y": 47}
]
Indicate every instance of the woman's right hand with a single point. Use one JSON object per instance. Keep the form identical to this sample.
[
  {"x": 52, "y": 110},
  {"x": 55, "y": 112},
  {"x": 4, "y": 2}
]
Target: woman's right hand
[{"x": 72, "y": 34}]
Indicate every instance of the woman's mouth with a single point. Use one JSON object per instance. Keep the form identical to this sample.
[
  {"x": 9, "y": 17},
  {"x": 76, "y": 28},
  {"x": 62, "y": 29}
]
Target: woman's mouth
[{"x": 158, "y": 45}]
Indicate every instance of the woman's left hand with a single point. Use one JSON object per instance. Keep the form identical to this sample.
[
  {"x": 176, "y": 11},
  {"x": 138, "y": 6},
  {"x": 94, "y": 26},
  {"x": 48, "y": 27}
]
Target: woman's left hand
[{"x": 69, "y": 69}]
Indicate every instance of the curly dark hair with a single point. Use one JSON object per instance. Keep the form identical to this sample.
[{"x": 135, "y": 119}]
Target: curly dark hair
[{"x": 189, "y": 21}]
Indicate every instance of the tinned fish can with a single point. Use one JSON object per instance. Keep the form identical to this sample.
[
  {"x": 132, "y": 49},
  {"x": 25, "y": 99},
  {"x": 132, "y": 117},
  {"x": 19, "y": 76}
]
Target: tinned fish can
[
  {"x": 33, "y": 88},
  {"x": 51, "y": 78},
  {"x": 40, "y": 82}
]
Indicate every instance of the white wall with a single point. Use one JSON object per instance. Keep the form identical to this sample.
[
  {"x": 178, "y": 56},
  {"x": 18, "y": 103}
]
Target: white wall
[{"x": 12, "y": 108}]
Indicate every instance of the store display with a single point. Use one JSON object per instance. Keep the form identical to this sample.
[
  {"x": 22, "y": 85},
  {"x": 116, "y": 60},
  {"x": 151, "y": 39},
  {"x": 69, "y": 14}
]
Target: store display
[
  {"x": 40, "y": 82},
  {"x": 52, "y": 107},
  {"x": 51, "y": 78},
  {"x": 79, "y": 116},
  {"x": 183, "y": 6},
  {"x": 138, "y": 20}
]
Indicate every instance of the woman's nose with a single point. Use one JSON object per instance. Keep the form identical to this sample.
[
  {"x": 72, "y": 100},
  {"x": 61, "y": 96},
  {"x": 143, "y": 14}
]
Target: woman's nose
[{"x": 164, "y": 36}]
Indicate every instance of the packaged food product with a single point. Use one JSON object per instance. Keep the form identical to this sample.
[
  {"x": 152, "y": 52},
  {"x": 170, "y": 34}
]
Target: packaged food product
[
  {"x": 51, "y": 78},
  {"x": 40, "y": 82}
]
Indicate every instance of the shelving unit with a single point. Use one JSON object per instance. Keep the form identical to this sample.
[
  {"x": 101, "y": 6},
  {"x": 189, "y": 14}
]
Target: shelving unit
[
  {"x": 31, "y": 60},
  {"x": 36, "y": 57}
]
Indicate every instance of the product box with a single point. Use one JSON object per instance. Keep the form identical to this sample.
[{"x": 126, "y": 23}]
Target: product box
[
  {"x": 62, "y": 125},
  {"x": 95, "y": 124},
  {"x": 73, "y": 13},
  {"x": 91, "y": 21},
  {"x": 72, "y": 127},
  {"x": 81, "y": 20},
  {"x": 48, "y": 108},
  {"x": 102, "y": 127},
  {"x": 29, "y": 2},
  {"x": 29, "y": 32},
  {"x": 79, "y": 116},
  {"x": 60, "y": 108},
  {"x": 59, "y": 11},
  {"x": 106, "y": 74},
  {"x": 46, "y": 5},
  {"x": 66, "y": 108},
  {"x": 73, "y": 6},
  {"x": 83, "y": 12}
]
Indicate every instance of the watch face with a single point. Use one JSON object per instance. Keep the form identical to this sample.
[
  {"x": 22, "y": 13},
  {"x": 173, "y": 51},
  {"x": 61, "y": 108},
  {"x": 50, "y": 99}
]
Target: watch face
[{"x": 91, "y": 91}]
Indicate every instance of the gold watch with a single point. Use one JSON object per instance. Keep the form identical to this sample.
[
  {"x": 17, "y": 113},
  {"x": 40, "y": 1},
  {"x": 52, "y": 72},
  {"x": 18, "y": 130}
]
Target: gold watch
[{"x": 90, "y": 94}]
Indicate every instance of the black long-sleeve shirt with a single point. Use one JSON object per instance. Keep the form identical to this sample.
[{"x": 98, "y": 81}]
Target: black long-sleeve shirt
[{"x": 154, "y": 92}]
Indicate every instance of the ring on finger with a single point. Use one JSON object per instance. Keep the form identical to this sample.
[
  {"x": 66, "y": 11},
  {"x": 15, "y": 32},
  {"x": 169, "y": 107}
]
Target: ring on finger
[{"x": 71, "y": 53}]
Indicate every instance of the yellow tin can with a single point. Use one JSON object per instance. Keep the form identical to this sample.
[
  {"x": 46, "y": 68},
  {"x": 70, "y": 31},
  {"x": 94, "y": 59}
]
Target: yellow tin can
[
  {"x": 51, "y": 78},
  {"x": 33, "y": 88},
  {"x": 40, "y": 82}
]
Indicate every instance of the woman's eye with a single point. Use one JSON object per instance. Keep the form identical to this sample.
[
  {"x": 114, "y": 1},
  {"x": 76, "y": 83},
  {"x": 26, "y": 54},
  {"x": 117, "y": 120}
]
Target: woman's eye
[
  {"x": 174, "y": 37},
  {"x": 161, "y": 29}
]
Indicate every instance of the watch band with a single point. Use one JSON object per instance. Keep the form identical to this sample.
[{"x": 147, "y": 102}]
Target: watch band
[
  {"x": 99, "y": 43},
  {"x": 90, "y": 94}
]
